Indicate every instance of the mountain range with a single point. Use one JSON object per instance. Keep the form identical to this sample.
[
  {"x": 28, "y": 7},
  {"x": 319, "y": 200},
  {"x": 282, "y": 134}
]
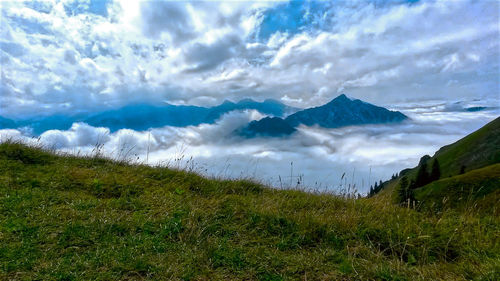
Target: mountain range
[
  {"x": 281, "y": 121},
  {"x": 144, "y": 116},
  {"x": 341, "y": 111}
]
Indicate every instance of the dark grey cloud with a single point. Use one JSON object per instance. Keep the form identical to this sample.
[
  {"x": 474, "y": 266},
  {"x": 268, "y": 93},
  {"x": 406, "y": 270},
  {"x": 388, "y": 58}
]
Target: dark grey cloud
[
  {"x": 203, "y": 57},
  {"x": 159, "y": 17}
]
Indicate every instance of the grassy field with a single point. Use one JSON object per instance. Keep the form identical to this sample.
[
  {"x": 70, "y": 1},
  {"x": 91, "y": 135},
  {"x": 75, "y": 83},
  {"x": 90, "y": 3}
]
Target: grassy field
[
  {"x": 69, "y": 218},
  {"x": 477, "y": 189}
]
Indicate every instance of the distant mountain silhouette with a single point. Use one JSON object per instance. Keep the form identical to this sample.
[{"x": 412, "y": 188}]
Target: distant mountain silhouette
[
  {"x": 6, "y": 123},
  {"x": 144, "y": 116},
  {"x": 476, "y": 108},
  {"x": 341, "y": 111},
  {"x": 267, "y": 127}
]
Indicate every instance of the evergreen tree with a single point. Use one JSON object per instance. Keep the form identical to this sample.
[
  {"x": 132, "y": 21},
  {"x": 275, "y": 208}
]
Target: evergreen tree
[
  {"x": 412, "y": 184},
  {"x": 435, "y": 171},
  {"x": 462, "y": 170},
  {"x": 422, "y": 175},
  {"x": 403, "y": 189},
  {"x": 405, "y": 192}
]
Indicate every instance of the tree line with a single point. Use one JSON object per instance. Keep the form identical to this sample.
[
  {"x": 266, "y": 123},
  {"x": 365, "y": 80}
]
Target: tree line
[{"x": 406, "y": 186}]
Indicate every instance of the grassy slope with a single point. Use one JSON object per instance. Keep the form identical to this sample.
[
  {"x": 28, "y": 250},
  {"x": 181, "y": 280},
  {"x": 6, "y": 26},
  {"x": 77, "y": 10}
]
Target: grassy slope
[
  {"x": 478, "y": 188},
  {"x": 477, "y": 150},
  {"x": 88, "y": 218}
]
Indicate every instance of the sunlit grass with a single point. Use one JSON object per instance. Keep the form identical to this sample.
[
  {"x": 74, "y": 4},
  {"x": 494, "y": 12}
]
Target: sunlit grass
[{"x": 70, "y": 218}]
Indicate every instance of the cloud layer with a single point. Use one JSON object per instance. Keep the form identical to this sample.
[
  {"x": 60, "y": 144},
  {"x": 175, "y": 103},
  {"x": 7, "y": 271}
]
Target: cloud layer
[
  {"x": 70, "y": 56},
  {"x": 314, "y": 157}
]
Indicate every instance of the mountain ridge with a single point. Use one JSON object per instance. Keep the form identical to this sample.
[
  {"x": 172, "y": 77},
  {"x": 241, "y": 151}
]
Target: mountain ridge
[
  {"x": 343, "y": 111},
  {"x": 339, "y": 112},
  {"x": 145, "y": 116}
]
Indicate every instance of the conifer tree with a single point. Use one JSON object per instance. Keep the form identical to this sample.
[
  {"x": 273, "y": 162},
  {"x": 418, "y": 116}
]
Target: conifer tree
[
  {"x": 462, "y": 170},
  {"x": 403, "y": 190},
  {"x": 435, "y": 171},
  {"x": 422, "y": 175}
]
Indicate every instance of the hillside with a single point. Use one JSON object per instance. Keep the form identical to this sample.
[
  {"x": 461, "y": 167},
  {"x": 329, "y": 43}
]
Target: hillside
[
  {"x": 477, "y": 150},
  {"x": 70, "y": 218},
  {"x": 478, "y": 188},
  {"x": 469, "y": 165}
]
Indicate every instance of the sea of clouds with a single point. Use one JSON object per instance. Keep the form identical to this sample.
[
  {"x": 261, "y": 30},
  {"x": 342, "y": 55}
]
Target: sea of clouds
[{"x": 313, "y": 159}]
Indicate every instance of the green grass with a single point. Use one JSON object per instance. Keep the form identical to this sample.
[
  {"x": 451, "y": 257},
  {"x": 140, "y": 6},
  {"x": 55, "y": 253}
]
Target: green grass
[
  {"x": 477, "y": 189},
  {"x": 69, "y": 218},
  {"x": 476, "y": 150}
]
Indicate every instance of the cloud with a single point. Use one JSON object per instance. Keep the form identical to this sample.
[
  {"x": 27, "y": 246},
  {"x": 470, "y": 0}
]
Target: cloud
[
  {"x": 315, "y": 157},
  {"x": 79, "y": 135},
  {"x": 71, "y": 56},
  {"x": 166, "y": 17},
  {"x": 202, "y": 57}
]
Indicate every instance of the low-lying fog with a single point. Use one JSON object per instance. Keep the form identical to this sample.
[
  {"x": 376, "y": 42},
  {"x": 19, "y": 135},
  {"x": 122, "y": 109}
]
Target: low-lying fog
[{"x": 313, "y": 158}]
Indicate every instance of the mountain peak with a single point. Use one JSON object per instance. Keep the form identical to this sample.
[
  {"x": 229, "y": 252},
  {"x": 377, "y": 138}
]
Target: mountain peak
[
  {"x": 344, "y": 111},
  {"x": 342, "y": 97},
  {"x": 266, "y": 127},
  {"x": 226, "y": 102},
  {"x": 246, "y": 100}
]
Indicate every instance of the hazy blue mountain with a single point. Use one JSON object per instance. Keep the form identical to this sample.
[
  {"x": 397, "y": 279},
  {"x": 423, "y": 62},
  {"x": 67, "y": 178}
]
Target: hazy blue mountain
[
  {"x": 266, "y": 127},
  {"x": 40, "y": 124},
  {"x": 476, "y": 108},
  {"x": 339, "y": 112},
  {"x": 343, "y": 111},
  {"x": 6, "y": 123},
  {"x": 54, "y": 122},
  {"x": 145, "y": 116},
  {"x": 268, "y": 107},
  {"x": 142, "y": 117}
]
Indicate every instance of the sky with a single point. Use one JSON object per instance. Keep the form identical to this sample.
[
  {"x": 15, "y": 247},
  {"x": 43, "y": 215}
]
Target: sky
[
  {"x": 72, "y": 56},
  {"x": 429, "y": 59}
]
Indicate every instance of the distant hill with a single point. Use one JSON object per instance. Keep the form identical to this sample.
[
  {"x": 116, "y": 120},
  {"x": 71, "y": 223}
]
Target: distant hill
[
  {"x": 469, "y": 165},
  {"x": 144, "y": 116},
  {"x": 341, "y": 111},
  {"x": 267, "y": 127}
]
